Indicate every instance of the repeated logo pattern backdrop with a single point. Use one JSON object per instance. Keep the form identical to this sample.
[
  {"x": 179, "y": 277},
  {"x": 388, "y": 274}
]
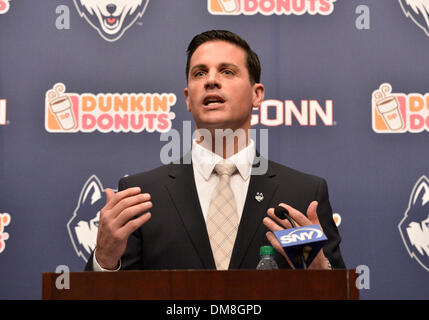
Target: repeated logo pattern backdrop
[{"x": 87, "y": 88}]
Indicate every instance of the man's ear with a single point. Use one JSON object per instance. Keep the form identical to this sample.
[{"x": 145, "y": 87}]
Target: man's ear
[
  {"x": 258, "y": 94},
  {"x": 186, "y": 92}
]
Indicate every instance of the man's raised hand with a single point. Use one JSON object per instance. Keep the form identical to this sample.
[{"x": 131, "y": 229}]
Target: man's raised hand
[{"x": 118, "y": 219}]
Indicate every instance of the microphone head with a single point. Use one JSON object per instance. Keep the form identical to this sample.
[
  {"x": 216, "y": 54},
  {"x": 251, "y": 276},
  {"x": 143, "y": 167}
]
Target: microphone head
[{"x": 281, "y": 212}]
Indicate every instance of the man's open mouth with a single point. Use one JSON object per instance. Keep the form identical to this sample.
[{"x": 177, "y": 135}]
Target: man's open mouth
[
  {"x": 110, "y": 22},
  {"x": 212, "y": 100}
]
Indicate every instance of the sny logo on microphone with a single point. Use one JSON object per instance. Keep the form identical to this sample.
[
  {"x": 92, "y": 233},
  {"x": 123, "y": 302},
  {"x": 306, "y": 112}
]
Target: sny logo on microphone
[
  {"x": 301, "y": 235},
  {"x": 304, "y": 242}
]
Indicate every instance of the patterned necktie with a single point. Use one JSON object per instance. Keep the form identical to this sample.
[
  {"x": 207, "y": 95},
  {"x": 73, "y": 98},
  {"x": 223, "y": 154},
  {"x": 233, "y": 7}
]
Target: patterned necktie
[{"x": 222, "y": 218}]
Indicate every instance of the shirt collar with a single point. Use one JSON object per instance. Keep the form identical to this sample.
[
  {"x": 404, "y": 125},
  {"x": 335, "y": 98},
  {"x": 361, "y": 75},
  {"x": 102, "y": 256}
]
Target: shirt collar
[{"x": 204, "y": 160}]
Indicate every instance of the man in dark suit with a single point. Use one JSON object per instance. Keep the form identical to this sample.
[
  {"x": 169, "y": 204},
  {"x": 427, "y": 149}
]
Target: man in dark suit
[{"x": 223, "y": 85}]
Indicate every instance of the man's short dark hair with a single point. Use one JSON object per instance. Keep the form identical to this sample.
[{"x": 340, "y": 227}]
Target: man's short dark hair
[{"x": 253, "y": 64}]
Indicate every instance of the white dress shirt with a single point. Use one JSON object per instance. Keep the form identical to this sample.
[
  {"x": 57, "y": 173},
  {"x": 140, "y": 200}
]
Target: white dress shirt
[{"x": 204, "y": 161}]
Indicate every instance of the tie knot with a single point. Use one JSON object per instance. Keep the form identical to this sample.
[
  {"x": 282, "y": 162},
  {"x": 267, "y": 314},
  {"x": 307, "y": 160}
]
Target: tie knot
[{"x": 225, "y": 168}]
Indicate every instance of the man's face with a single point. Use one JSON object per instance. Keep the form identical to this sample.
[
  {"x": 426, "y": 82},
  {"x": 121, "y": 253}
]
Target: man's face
[{"x": 219, "y": 92}]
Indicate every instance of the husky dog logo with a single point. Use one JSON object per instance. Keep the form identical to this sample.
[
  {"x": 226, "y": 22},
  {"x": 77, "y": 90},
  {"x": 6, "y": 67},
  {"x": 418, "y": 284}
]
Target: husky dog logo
[
  {"x": 418, "y": 11},
  {"x": 111, "y": 18},
  {"x": 414, "y": 227},
  {"x": 83, "y": 225}
]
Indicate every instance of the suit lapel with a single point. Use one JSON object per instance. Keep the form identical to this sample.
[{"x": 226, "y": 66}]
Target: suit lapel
[
  {"x": 183, "y": 194},
  {"x": 253, "y": 213}
]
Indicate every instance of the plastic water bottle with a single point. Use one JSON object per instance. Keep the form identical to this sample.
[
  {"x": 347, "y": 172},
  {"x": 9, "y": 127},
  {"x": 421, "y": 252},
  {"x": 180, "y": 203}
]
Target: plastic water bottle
[{"x": 267, "y": 261}]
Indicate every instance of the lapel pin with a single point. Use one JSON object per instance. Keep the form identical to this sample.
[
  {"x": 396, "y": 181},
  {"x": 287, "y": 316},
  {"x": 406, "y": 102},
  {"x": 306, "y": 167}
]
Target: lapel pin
[{"x": 259, "y": 196}]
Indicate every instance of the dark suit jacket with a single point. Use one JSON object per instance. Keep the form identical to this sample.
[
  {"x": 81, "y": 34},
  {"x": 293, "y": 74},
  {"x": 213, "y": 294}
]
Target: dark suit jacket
[{"x": 176, "y": 236}]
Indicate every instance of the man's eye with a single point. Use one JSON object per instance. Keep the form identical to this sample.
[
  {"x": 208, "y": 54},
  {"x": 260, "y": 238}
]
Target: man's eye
[
  {"x": 228, "y": 72},
  {"x": 199, "y": 74}
]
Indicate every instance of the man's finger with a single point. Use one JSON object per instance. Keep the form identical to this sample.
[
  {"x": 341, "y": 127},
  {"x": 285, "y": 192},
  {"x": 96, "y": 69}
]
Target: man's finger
[
  {"x": 312, "y": 213},
  {"x": 129, "y": 202},
  {"x": 285, "y": 223},
  {"x": 296, "y": 215},
  {"x": 110, "y": 203},
  {"x": 109, "y": 194},
  {"x": 134, "y": 224},
  {"x": 132, "y": 211},
  {"x": 270, "y": 224}
]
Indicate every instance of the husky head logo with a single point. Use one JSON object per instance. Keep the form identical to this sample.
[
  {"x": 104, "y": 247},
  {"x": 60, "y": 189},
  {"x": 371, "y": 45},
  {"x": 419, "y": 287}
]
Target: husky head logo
[
  {"x": 111, "y": 18},
  {"x": 414, "y": 227},
  {"x": 418, "y": 11},
  {"x": 83, "y": 226}
]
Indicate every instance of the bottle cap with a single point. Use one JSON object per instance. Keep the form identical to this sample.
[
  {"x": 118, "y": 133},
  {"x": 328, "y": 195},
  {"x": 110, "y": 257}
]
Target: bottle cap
[{"x": 266, "y": 250}]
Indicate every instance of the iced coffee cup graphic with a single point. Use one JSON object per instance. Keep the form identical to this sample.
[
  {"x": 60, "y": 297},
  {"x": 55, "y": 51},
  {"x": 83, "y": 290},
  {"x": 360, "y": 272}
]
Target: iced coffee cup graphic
[
  {"x": 388, "y": 107},
  {"x": 229, "y": 5},
  {"x": 61, "y": 106}
]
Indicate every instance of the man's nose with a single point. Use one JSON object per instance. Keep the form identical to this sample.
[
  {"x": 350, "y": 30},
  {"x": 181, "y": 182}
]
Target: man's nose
[{"x": 212, "y": 81}]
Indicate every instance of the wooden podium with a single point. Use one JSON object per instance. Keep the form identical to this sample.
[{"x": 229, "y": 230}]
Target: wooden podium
[{"x": 204, "y": 285}]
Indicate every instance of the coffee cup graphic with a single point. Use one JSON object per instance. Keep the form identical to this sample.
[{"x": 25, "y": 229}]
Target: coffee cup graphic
[
  {"x": 229, "y": 5},
  {"x": 61, "y": 106},
  {"x": 388, "y": 107}
]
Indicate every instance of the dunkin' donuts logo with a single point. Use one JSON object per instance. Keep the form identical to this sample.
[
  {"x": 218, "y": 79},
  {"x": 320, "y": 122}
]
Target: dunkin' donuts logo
[
  {"x": 87, "y": 112},
  {"x": 269, "y": 7},
  {"x": 4, "y": 6},
  {"x": 399, "y": 112}
]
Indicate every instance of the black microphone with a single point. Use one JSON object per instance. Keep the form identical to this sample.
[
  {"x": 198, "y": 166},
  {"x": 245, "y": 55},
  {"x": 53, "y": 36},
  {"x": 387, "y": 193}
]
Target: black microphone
[{"x": 282, "y": 213}]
